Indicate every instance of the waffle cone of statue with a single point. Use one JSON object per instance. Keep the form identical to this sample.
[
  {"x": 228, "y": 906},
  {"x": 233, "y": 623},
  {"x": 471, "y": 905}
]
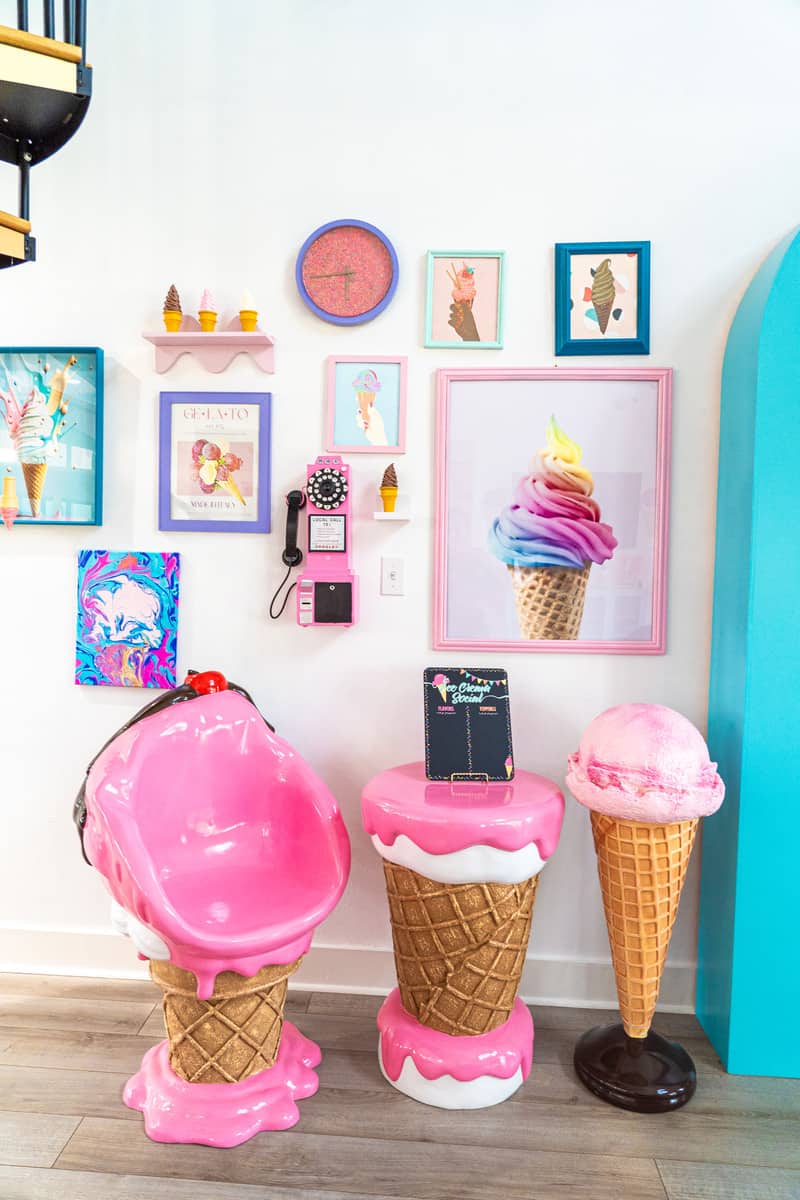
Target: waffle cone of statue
[
  {"x": 641, "y": 868},
  {"x": 234, "y": 1034},
  {"x": 459, "y": 949},
  {"x": 644, "y": 773},
  {"x": 549, "y": 601}
]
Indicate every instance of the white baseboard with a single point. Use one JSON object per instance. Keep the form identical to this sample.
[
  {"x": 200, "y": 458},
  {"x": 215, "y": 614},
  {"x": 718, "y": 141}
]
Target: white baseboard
[{"x": 572, "y": 982}]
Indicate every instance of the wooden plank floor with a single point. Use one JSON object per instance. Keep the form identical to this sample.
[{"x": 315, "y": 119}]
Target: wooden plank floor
[{"x": 68, "y": 1045}]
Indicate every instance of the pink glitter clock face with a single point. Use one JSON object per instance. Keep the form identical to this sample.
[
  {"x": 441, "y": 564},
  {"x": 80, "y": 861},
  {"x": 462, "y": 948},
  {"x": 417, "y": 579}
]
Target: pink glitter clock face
[{"x": 347, "y": 271}]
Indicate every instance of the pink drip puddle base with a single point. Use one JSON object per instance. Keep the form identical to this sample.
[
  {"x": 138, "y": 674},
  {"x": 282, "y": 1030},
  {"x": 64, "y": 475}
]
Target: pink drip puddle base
[
  {"x": 499, "y": 1053},
  {"x": 224, "y": 1114}
]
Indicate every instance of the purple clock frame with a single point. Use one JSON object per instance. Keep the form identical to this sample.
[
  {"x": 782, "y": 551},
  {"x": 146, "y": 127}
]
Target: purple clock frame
[
  {"x": 262, "y": 523},
  {"x": 359, "y": 318}
]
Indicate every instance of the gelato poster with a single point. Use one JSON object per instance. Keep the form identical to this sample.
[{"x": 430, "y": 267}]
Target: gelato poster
[
  {"x": 467, "y": 724},
  {"x": 215, "y": 460}
]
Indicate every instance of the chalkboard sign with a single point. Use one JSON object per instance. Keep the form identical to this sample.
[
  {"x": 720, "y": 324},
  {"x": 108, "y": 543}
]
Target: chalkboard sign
[{"x": 467, "y": 724}]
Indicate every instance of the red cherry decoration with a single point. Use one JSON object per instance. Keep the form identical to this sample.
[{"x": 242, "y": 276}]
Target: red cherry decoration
[{"x": 207, "y": 682}]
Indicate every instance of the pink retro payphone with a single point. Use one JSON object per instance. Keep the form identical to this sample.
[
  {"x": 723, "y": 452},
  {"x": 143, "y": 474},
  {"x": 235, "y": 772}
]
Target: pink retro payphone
[{"x": 327, "y": 588}]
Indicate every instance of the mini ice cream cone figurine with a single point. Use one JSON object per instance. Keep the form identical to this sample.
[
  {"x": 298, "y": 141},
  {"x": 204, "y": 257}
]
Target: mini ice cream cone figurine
[
  {"x": 389, "y": 489},
  {"x": 9, "y": 502},
  {"x": 207, "y": 313},
  {"x": 549, "y": 537},
  {"x": 603, "y": 293},
  {"x": 172, "y": 310},
  {"x": 248, "y": 313},
  {"x": 644, "y": 773}
]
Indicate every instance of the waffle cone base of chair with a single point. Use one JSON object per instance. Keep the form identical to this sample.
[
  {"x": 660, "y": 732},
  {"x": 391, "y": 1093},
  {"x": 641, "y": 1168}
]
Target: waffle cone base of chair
[
  {"x": 642, "y": 868},
  {"x": 232, "y": 1035},
  {"x": 459, "y": 949}
]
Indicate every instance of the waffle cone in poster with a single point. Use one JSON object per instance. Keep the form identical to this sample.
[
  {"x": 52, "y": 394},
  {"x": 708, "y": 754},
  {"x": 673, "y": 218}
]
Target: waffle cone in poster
[
  {"x": 459, "y": 949},
  {"x": 603, "y": 312},
  {"x": 642, "y": 868},
  {"x": 235, "y": 1033},
  {"x": 550, "y": 600},
  {"x": 34, "y": 475}
]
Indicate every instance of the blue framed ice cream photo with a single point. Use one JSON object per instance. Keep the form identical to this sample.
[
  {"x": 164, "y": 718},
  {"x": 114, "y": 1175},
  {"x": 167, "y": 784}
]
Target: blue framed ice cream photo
[
  {"x": 51, "y": 434},
  {"x": 366, "y": 405}
]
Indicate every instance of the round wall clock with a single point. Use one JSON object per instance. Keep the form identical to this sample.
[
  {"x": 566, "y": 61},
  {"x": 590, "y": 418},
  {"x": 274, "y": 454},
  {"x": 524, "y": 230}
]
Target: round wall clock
[{"x": 347, "y": 272}]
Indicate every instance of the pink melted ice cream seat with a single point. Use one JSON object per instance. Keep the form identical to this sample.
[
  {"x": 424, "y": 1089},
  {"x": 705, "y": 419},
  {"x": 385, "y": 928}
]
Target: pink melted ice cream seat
[
  {"x": 212, "y": 832},
  {"x": 645, "y": 762}
]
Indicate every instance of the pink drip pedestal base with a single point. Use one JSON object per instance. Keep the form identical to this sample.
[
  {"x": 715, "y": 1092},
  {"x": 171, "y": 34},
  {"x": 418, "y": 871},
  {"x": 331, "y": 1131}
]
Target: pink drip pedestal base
[
  {"x": 224, "y": 1114},
  {"x": 454, "y": 1072}
]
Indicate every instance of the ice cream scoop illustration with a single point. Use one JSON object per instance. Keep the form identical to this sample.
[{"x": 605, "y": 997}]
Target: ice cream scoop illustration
[
  {"x": 509, "y": 766},
  {"x": 603, "y": 293},
  {"x": 549, "y": 536},
  {"x": 172, "y": 310},
  {"x": 213, "y": 467},
  {"x": 367, "y": 385},
  {"x": 442, "y": 682},
  {"x": 463, "y": 294}
]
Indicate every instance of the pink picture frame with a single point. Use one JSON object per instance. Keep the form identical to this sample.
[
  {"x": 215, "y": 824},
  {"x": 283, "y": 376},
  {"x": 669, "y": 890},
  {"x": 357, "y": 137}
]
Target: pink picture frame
[
  {"x": 366, "y": 410},
  {"x": 489, "y": 425}
]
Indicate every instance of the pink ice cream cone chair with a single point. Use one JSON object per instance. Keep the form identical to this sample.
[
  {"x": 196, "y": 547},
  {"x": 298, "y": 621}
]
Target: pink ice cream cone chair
[{"x": 222, "y": 851}]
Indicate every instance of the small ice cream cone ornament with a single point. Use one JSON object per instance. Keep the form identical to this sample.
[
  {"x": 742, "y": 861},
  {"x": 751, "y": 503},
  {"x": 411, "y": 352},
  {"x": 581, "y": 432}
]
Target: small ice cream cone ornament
[
  {"x": 207, "y": 313},
  {"x": 172, "y": 310},
  {"x": 9, "y": 502},
  {"x": 248, "y": 313},
  {"x": 549, "y": 537},
  {"x": 389, "y": 489},
  {"x": 603, "y": 293},
  {"x": 644, "y": 773}
]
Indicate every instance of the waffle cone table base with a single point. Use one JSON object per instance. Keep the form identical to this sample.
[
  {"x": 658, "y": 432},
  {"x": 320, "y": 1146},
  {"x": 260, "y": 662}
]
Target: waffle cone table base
[{"x": 646, "y": 1075}]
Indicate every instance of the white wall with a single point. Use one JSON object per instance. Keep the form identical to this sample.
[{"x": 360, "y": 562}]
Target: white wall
[{"x": 218, "y": 137}]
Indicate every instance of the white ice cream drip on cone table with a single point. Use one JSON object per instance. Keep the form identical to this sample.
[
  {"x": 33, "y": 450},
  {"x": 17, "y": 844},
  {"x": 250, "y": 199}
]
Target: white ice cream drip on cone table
[{"x": 462, "y": 863}]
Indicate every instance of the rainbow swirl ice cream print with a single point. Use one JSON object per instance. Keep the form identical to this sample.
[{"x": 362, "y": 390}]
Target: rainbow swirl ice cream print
[{"x": 549, "y": 536}]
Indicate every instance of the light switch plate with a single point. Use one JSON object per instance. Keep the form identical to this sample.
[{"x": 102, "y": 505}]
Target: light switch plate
[{"x": 393, "y": 576}]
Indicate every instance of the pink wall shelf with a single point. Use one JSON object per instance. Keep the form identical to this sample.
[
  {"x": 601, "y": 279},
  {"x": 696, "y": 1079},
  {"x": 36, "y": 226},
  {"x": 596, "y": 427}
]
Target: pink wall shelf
[{"x": 214, "y": 351}]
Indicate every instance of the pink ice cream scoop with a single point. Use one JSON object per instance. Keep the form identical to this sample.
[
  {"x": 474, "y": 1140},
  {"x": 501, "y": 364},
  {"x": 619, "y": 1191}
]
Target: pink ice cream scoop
[{"x": 645, "y": 762}]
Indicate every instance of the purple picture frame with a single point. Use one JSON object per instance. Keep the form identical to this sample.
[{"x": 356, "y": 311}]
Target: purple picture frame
[
  {"x": 168, "y": 401},
  {"x": 359, "y": 318}
]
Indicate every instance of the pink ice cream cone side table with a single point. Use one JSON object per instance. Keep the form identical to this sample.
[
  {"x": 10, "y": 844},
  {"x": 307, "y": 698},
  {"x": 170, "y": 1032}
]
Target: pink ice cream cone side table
[
  {"x": 222, "y": 851},
  {"x": 462, "y": 863}
]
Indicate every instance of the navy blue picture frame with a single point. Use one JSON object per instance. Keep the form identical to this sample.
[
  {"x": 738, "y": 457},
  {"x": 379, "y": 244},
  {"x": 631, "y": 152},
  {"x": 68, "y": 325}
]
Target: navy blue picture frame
[
  {"x": 567, "y": 345},
  {"x": 359, "y": 318}
]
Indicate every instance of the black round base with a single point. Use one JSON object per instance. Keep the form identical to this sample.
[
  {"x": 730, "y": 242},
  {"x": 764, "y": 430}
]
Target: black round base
[{"x": 646, "y": 1075}]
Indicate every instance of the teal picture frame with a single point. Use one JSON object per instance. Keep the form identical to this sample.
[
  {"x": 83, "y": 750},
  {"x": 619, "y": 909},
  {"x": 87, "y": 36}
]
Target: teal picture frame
[
  {"x": 459, "y": 343},
  {"x": 26, "y": 364},
  {"x": 565, "y": 343}
]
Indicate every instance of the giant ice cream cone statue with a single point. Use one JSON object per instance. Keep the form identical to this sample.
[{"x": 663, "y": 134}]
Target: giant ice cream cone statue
[
  {"x": 603, "y": 293},
  {"x": 224, "y": 923},
  {"x": 644, "y": 772},
  {"x": 461, "y": 864},
  {"x": 549, "y": 537}
]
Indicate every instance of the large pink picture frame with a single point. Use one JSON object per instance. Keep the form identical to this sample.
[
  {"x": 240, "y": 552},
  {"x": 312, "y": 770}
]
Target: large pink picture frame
[{"x": 489, "y": 426}]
